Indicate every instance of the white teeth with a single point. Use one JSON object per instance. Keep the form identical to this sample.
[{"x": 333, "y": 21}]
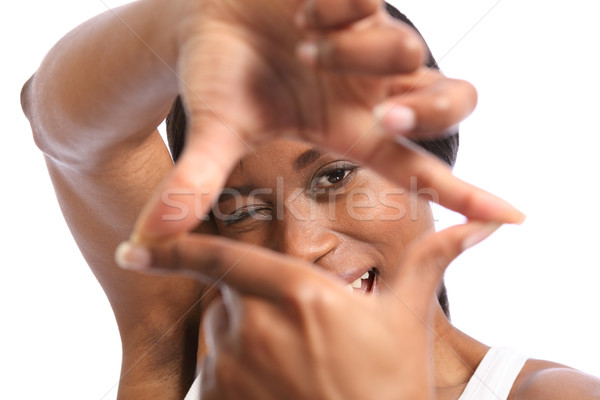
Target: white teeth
[{"x": 357, "y": 284}]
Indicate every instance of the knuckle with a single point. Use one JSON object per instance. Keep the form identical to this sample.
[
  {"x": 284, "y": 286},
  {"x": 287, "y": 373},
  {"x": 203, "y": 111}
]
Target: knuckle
[
  {"x": 328, "y": 54},
  {"x": 321, "y": 15},
  {"x": 213, "y": 255},
  {"x": 303, "y": 294},
  {"x": 407, "y": 54},
  {"x": 364, "y": 8},
  {"x": 405, "y": 49},
  {"x": 309, "y": 300},
  {"x": 313, "y": 14}
]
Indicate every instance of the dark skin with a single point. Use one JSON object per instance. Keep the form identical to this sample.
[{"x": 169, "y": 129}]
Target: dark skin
[
  {"x": 276, "y": 312},
  {"x": 360, "y": 207},
  {"x": 328, "y": 99},
  {"x": 344, "y": 218},
  {"x": 96, "y": 124}
]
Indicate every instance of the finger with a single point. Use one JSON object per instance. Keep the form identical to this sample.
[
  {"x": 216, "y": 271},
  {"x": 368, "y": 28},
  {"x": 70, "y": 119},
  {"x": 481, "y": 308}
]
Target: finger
[
  {"x": 391, "y": 48},
  {"x": 185, "y": 197},
  {"x": 215, "y": 324},
  {"x": 423, "y": 174},
  {"x": 249, "y": 269},
  {"x": 225, "y": 377},
  {"x": 221, "y": 377},
  {"x": 319, "y": 14},
  {"x": 436, "y": 102},
  {"x": 424, "y": 264},
  {"x": 208, "y": 383}
]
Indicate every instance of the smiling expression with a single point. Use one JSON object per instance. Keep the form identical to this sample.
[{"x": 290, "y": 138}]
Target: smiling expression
[{"x": 330, "y": 211}]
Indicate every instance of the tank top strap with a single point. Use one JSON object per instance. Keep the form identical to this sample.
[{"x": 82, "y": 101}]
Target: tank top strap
[
  {"x": 194, "y": 392},
  {"x": 494, "y": 377},
  {"x": 492, "y": 380}
]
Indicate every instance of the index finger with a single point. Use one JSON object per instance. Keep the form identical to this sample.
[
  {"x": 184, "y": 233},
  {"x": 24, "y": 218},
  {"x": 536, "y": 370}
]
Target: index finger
[
  {"x": 185, "y": 197},
  {"x": 405, "y": 163},
  {"x": 250, "y": 269}
]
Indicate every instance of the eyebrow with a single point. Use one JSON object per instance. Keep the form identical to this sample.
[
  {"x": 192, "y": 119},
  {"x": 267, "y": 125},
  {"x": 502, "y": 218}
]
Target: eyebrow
[
  {"x": 307, "y": 158},
  {"x": 230, "y": 192},
  {"x": 303, "y": 160}
]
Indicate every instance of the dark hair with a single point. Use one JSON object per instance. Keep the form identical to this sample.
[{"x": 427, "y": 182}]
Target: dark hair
[{"x": 445, "y": 148}]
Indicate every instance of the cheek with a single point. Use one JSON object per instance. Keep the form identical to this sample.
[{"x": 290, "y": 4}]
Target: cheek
[
  {"x": 258, "y": 234},
  {"x": 390, "y": 219},
  {"x": 391, "y": 204}
]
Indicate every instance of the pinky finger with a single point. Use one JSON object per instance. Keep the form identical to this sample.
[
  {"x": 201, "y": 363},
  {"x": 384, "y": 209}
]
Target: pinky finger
[
  {"x": 428, "y": 177},
  {"x": 433, "y": 102}
]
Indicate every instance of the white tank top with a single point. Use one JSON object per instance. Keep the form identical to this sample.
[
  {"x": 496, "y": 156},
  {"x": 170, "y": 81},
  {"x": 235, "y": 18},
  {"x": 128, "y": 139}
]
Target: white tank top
[
  {"x": 495, "y": 375},
  {"x": 194, "y": 392},
  {"x": 492, "y": 380}
]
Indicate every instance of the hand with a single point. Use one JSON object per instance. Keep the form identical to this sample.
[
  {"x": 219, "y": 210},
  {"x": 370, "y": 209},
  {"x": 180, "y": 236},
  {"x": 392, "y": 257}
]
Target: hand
[
  {"x": 286, "y": 330},
  {"x": 242, "y": 85}
]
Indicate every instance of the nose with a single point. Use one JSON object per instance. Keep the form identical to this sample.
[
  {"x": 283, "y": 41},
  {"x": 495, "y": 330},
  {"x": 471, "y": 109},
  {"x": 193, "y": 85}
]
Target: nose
[{"x": 310, "y": 239}]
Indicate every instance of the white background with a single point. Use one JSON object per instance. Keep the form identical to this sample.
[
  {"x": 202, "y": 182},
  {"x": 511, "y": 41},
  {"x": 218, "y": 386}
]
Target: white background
[{"x": 533, "y": 140}]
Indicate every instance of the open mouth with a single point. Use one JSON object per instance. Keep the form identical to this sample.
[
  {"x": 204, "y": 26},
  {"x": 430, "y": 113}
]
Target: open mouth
[{"x": 365, "y": 283}]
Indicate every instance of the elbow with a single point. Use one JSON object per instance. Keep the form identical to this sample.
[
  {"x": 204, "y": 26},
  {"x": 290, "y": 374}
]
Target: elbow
[
  {"x": 26, "y": 97},
  {"x": 28, "y": 107}
]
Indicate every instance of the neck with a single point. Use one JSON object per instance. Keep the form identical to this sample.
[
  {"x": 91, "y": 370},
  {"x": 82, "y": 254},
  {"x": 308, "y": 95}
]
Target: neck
[{"x": 456, "y": 355}]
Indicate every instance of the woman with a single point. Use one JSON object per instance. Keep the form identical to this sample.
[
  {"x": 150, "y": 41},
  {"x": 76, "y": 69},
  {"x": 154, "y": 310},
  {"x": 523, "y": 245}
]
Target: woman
[
  {"x": 279, "y": 332},
  {"x": 132, "y": 92}
]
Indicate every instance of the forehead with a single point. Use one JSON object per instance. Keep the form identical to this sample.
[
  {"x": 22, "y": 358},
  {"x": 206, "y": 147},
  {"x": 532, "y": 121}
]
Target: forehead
[
  {"x": 279, "y": 150},
  {"x": 277, "y": 158}
]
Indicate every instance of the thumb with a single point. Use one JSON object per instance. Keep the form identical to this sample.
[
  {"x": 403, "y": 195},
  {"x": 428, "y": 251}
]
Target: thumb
[
  {"x": 424, "y": 264},
  {"x": 186, "y": 195}
]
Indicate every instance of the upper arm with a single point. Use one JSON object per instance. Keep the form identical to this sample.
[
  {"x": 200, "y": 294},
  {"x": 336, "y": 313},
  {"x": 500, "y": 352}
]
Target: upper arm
[
  {"x": 94, "y": 105},
  {"x": 100, "y": 202},
  {"x": 100, "y": 207},
  {"x": 544, "y": 380}
]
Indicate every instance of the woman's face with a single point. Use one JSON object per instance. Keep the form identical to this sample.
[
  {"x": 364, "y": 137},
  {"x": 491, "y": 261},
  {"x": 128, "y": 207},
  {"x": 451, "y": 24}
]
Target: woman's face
[{"x": 325, "y": 209}]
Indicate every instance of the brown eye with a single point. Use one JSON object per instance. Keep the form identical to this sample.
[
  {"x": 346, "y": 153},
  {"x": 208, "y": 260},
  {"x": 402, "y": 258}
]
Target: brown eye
[
  {"x": 333, "y": 178},
  {"x": 332, "y": 175}
]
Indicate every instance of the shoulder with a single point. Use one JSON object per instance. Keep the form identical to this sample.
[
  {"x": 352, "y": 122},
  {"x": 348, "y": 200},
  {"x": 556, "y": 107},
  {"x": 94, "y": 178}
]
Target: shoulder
[{"x": 546, "y": 380}]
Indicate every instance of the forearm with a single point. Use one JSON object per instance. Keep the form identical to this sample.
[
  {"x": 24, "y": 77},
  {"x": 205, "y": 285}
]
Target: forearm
[
  {"x": 93, "y": 105},
  {"x": 108, "y": 81}
]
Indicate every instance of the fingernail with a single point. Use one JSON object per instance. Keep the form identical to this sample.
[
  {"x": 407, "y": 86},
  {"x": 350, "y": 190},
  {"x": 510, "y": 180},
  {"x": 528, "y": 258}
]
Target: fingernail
[
  {"x": 480, "y": 234},
  {"x": 307, "y": 52},
  {"x": 395, "y": 119},
  {"x": 132, "y": 256},
  {"x": 519, "y": 216},
  {"x": 507, "y": 211}
]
